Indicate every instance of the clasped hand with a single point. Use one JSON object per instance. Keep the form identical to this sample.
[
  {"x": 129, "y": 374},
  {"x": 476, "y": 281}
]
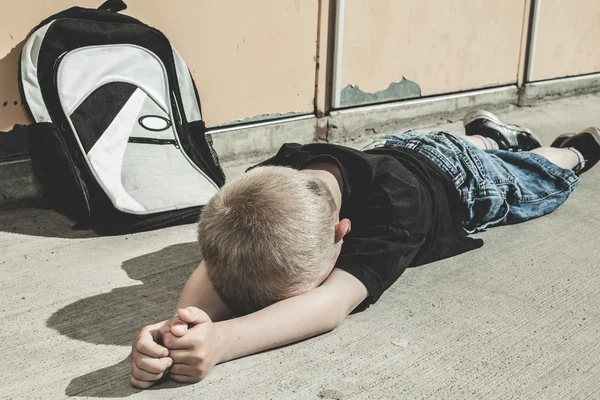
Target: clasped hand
[{"x": 186, "y": 347}]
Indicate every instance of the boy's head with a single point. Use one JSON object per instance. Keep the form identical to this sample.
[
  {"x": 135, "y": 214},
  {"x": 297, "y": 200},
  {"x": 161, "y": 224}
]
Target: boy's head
[{"x": 269, "y": 235}]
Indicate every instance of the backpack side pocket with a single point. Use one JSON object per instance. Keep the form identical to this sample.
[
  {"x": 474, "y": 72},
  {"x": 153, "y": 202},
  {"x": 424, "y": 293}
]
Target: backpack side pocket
[
  {"x": 53, "y": 165},
  {"x": 203, "y": 142}
]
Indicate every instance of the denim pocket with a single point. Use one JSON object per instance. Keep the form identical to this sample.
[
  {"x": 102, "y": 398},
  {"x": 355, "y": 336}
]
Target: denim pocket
[
  {"x": 486, "y": 211},
  {"x": 436, "y": 154}
]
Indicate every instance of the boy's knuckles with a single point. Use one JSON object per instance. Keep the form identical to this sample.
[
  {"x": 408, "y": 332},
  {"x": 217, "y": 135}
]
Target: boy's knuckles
[
  {"x": 148, "y": 365},
  {"x": 140, "y": 343},
  {"x": 144, "y": 347},
  {"x": 145, "y": 331},
  {"x": 138, "y": 339},
  {"x": 137, "y": 356},
  {"x": 199, "y": 355},
  {"x": 146, "y": 375}
]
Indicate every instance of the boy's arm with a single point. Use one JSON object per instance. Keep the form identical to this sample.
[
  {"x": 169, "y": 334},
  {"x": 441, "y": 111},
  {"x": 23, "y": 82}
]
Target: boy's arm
[
  {"x": 309, "y": 314},
  {"x": 199, "y": 292}
]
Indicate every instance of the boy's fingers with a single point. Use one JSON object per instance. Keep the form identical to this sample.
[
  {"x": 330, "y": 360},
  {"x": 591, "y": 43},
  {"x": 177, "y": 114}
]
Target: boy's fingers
[
  {"x": 180, "y": 343},
  {"x": 146, "y": 345},
  {"x": 164, "y": 328},
  {"x": 181, "y": 357},
  {"x": 136, "y": 383},
  {"x": 153, "y": 365},
  {"x": 179, "y": 328},
  {"x": 142, "y": 375},
  {"x": 184, "y": 378},
  {"x": 193, "y": 315}
]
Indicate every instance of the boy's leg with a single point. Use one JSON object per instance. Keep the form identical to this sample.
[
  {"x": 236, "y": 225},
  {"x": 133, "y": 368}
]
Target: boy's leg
[
  {"x": 564, "y": 158},
  {"x": 537, "y": 195},
  {"x": 578, "y": 152},
  {"x": 486, "y": 132},
  {"x": 495, "y": 186},
  {"x": 482, "y": 143}
]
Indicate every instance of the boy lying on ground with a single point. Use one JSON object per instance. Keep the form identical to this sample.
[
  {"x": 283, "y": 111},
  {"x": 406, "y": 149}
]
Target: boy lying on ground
[{"x": 283, "y": 263}]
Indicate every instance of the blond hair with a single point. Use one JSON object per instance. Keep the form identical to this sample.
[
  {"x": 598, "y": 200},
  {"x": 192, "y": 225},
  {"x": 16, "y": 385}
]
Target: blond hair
[{"x": 268, "y": 235}]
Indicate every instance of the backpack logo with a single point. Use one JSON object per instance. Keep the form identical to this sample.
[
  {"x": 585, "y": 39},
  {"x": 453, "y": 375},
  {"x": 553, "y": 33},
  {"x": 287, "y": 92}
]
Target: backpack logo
[{"x": 154, "y": 123}]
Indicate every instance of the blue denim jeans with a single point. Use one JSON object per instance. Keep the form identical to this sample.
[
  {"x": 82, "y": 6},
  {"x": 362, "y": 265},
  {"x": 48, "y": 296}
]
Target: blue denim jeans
[{"x": 496, "y": 187}]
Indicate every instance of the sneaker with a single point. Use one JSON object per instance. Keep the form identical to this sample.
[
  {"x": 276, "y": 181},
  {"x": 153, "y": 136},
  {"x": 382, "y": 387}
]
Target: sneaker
[
  {"x": 561, "y": 139},
  {"x": 587, "y": 142},
  {"x": 509, "y": 137}
]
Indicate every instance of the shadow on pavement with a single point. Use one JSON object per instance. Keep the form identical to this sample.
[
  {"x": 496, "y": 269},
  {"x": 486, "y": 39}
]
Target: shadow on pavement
[
  {"x": 111, "y": 382},
  {"x": 40, "y": 221},
  {"x": 116, "y": 317}
]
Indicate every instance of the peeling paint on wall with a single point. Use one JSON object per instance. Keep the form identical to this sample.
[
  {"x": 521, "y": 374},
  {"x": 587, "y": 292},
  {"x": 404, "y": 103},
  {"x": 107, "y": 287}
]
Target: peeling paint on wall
[{"x": 405, "y": 89}]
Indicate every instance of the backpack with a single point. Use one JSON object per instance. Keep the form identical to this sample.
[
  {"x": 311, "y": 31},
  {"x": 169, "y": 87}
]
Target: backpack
[{"x": 119, "y": 143}]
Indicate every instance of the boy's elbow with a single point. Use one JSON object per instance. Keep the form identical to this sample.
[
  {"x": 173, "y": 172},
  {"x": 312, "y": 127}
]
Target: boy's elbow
[
  {"x": 344, "y": 308},
  {"x": 343, "y": 293},
  {"x": 340, "y": 294},
  {"x": 339, "y": 320},
  {"x": 338, "y": 315}
]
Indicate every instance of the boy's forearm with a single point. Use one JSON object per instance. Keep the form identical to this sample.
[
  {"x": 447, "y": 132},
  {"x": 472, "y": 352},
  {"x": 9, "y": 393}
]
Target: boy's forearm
[
  {"x": 317, "y": 311},
  {"x": 282, "y": 323},
  {"x": 199, "y": 292}
]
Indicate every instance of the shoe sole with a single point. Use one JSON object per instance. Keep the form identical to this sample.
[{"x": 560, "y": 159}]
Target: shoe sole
[{"x": 486, "y": 115}]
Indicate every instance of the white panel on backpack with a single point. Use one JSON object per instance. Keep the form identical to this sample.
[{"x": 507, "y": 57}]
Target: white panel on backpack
[
  {"x": 160, "y": 179},
  {"x": 83, "y": 70},
  {"x": 186, "y": 88},
  {"x": 29, "y": 75},
  {"x": 106, "y": 156}
]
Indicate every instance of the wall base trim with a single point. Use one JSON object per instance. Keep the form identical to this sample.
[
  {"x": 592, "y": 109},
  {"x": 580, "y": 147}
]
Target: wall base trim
[{"x": 533, "y": 92}]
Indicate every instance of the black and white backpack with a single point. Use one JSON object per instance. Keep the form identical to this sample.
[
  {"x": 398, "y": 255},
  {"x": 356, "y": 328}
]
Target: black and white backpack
[{"x": 119, "y": 142}]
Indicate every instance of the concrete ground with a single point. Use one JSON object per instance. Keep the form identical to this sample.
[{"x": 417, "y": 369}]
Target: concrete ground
[{"x": 516, "y": 319}]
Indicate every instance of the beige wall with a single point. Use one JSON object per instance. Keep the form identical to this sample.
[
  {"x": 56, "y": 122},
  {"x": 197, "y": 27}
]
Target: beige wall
[
  {"x": 249, "y": 58},
  {"x": 568, "y": 39},
  {"x": 443, "y": 46},
  {"x": 252, "y": 58}
]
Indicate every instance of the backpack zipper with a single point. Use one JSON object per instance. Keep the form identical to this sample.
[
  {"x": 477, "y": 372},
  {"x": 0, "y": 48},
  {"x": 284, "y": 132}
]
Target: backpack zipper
[{"x": 145, "y": 140}]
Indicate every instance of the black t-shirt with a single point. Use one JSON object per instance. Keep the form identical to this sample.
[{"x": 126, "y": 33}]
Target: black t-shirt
[{"x": 404, "y": 210}]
